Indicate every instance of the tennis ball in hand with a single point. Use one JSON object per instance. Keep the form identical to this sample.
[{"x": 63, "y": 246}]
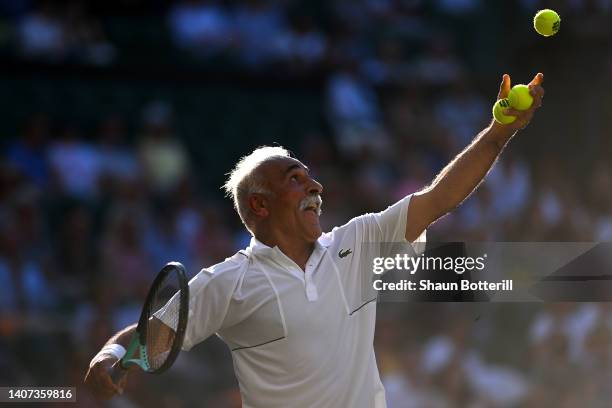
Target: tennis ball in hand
[
  {"x": 498, "y": 113},
  {"x": 547, "y": 22},
  {"x": 520, "y": 98}
]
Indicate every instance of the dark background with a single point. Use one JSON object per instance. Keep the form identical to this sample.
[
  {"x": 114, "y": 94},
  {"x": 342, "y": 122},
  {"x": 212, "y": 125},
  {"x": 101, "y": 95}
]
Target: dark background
[{"x": 120, "y": 120}]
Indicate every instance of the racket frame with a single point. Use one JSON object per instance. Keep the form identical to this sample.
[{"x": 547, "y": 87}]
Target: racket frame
[{"x": 139, "y": 338}]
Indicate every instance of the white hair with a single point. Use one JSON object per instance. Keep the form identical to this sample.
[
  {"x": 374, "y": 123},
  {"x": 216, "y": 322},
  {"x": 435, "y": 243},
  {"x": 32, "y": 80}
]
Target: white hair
[{"x": 243, "y": 181}]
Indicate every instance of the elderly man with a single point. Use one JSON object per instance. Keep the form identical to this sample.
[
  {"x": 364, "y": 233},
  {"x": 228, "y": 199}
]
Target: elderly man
[{"x": 291, "y": 306}]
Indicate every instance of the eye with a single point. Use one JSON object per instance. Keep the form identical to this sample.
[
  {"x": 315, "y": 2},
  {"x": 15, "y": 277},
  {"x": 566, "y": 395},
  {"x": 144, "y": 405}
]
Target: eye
[{"x": 294, "y": 178}]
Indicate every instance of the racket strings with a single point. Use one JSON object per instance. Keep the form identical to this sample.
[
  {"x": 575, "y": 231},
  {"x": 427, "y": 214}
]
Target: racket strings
[{"x": 165, "y": 307}]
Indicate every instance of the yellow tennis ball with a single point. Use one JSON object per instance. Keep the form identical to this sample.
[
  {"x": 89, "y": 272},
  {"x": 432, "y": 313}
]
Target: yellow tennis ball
[
  {"x": 520, "y": 98},
  {"x": 547, "y": 22},
  {"x": 498, "y": 113}
]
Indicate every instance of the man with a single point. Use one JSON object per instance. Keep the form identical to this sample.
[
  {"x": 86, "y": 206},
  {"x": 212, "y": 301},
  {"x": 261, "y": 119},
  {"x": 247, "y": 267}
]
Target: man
[{"x": 291, "y": 306}]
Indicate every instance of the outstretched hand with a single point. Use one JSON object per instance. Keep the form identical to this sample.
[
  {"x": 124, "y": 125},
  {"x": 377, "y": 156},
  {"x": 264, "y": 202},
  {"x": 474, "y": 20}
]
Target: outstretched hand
[{"x": 522, "y": 117}]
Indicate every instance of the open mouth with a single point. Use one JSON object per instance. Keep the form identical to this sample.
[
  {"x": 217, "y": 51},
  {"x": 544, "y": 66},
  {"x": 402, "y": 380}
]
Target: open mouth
[
  {"x": 311, "y": 204},
  {"x": 314, "y": 210}
]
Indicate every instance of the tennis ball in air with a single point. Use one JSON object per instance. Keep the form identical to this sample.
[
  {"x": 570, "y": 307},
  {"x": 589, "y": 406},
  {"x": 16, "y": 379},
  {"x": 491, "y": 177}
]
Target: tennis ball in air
[
  {"x": 519, "y": 97},
  {"x": 498, "y": 113},
  {"x": 547, "y": 22}
]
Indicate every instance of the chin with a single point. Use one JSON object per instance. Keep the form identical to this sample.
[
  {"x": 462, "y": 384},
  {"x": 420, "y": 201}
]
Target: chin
[
  {"x": 316, "y": 234},
  {"x": 312, "y": 234}
]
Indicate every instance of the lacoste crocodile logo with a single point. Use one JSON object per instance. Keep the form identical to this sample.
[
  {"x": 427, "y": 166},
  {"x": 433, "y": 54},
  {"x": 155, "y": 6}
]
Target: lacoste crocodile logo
[{"x": 345, "y": 253}]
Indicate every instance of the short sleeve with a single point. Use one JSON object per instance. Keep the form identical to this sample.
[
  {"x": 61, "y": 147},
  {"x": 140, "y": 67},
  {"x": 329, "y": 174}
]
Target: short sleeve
[
  {"x": 390, "y": 225},
  {"x": 210, "y": 294}
]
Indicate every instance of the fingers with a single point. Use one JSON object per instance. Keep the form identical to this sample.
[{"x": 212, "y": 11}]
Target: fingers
[
  {"x": 537, "y": 92},
  {"x": 98, "y": 379},
  {"x": 121, "y": 378},
  {"x": 109, "y": 385},
  {"x": 504, "y": 87},
  {"x": 520, "y": 113},
  {"x": 512, "y": 112},
  {"x": 537, "y": 79},
  {"x": 523, "y": 117}
]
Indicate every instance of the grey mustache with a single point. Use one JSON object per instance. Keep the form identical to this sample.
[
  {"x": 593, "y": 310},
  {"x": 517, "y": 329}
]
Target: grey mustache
[{"x": 312, "y": 200}]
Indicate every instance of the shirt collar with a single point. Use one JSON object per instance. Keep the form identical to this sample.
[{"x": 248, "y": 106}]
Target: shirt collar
[
  {"x": 325, "y": 240},
  {"x": 258, "y": 247}
]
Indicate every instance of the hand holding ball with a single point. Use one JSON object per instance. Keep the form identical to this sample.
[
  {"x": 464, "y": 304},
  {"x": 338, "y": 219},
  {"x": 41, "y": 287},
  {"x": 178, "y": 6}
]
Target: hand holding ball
[
  {"x": 520, "y": 98},
  {"x": 518, "y": 102},
  {"x": 547, "y": 22},
  {"x": 498, "y": 112}
]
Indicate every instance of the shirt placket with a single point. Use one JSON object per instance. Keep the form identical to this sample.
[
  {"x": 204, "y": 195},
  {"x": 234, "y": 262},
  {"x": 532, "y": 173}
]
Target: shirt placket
[
  {"x": 312, "y": 294},
  {"x": 311, "y": 289}
]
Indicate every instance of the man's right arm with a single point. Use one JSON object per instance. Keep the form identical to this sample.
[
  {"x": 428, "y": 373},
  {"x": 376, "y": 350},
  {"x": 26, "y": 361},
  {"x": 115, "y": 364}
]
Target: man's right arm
[
  {"x": 210, "y": 293},
  {"x": 98, "y": 377}
]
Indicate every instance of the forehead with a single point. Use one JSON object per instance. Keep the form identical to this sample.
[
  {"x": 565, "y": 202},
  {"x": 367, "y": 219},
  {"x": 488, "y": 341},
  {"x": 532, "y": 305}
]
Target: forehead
[{"x": 278, "y": 167}]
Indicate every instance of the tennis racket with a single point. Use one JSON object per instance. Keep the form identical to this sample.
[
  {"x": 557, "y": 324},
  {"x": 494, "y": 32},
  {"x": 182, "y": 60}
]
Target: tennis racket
[{"x": 161, "y": 328}]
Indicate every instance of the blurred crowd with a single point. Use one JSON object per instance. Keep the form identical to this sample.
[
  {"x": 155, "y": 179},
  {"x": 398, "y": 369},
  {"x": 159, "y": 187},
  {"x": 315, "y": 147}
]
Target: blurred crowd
[
  {"x": 89, "y": 212},
  {"x": 556, "y": 354}
]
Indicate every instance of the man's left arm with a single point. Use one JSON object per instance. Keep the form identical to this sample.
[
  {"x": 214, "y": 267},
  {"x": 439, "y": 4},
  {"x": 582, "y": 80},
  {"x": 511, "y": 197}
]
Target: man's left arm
[{"x": 465, "y": 172}]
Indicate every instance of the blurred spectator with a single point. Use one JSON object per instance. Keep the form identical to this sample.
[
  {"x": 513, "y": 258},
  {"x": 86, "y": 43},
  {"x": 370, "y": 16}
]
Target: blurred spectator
[
  {"x": 303, "y": 45},
  {"x": 118, "y": 160},
  {"x": 439, "y": 65},
  {"x": 410, "y": 387},
  {"x": 42, "y": 34},
  {"x": 124, "y": 257},
  {"x": 75, "y": 250},
  {"x": 462, "y": 112},
  {"x": 56, "y": 32},
  {"x": 476, "y": 213},
  {"x": 373, "y": 181},
  {"x": 495, "y": 385},
  {"x": 580, "y": 323},
  {"x": 28, "y": 153},
  {"x": 24, "y": 287},
  {"x": 214, "y": 240},
  {"x": 163, "y": 241},
  {"x": 201, "y": 26},
  {"x": 75, "y": 164},
  {"x": 260, "y": 25},
  {"x": 414, "y": 174},
  {"x": 603, "y": 229},
  {"x": 599, "y": 198},
  {"x": 510, "y": 185},
  {"x": 550, "y": 207},
  {"x": 389, "y": 66},
  {"x": 163, "y": 156},
  {"x": 355, "y": 113}
]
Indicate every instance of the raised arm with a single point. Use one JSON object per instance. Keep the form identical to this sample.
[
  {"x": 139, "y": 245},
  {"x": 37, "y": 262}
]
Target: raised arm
[{"x": 465, "y": 172}]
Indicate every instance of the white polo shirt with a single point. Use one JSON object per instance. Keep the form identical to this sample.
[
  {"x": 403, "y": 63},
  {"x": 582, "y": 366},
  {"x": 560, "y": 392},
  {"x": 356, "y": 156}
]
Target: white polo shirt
[{"x": 299, "y": 338}]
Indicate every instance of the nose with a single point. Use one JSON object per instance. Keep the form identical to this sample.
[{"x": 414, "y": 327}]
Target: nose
[{"x": 314, "y": 187}]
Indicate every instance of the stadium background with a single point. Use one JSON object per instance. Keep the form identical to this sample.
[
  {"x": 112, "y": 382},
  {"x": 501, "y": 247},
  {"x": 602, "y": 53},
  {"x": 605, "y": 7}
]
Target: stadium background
[{"x": 120, "y": 119}]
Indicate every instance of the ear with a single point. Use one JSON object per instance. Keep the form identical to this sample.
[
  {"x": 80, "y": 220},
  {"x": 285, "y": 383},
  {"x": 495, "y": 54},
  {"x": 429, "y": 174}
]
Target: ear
[{"x": 258, "y": 204}]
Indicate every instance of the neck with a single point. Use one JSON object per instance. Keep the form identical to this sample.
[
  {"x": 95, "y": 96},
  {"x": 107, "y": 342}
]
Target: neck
[{"x": 297, "y": 250}]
